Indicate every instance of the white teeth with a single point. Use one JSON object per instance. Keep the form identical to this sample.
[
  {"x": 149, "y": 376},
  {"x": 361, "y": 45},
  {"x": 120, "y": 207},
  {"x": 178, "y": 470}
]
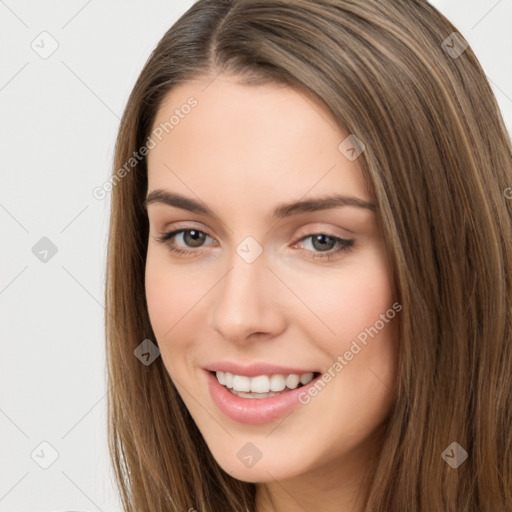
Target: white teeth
[
  {"x": 228, "y": 377},
  {"x": 292, "y": 381},
  {"x": 262, "y": 383},
  {"x": 306, "y": 377},
  {"x": 241, "y": 394},
  {"x": 241, "y": 383},
  {"x": 277, "y": 382}
]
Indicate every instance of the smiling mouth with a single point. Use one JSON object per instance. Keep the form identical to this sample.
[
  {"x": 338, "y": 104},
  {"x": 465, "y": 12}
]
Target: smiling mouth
[{"x": 262, "y": 386}]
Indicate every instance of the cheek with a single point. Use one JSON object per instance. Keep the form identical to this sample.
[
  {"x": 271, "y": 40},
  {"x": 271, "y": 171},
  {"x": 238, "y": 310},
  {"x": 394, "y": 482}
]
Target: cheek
[
  {"x": 170, "y": 295},
  {"x": 348, "y": 302},
  {"x": 160, "y": 296},
  {"x": 366, "y": 297},
  {"x": 167, "y": 309},
  {"x": 366, "y": 328},
  {"x": 176, "y": 297}
]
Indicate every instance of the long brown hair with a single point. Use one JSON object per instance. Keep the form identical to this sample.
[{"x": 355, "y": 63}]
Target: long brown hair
[{"x": 439, "y": 161}]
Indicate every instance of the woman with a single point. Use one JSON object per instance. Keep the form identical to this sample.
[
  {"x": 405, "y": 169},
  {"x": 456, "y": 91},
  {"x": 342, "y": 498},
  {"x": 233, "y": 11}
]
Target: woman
[{"x": 309, "y": 266}]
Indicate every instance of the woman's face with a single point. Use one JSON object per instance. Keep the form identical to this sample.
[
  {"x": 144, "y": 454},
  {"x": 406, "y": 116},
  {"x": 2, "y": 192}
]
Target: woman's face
[{"x": 271, "y": 283}]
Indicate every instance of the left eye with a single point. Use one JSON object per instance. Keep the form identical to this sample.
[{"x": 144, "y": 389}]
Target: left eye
[
  {"x": 322, "y": 245},
  {"x": 325, "y": 243}
]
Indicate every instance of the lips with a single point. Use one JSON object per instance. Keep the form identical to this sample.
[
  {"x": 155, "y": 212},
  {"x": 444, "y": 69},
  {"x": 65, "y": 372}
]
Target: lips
[{"x": 256, "y": 411}]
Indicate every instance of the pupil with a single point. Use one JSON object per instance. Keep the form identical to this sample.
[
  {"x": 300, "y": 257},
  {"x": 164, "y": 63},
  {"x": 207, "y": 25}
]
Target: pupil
[
  {"x": 196, "y": 238},
  {"x": 321, "y": 239}
]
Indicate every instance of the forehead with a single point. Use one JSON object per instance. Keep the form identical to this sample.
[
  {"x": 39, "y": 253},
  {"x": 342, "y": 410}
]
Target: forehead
[{"x": 239, "y": 138}]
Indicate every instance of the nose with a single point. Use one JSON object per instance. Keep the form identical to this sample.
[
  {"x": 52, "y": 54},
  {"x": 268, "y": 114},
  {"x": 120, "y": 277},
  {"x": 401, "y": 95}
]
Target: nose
[{"x": 246, "y": 303}]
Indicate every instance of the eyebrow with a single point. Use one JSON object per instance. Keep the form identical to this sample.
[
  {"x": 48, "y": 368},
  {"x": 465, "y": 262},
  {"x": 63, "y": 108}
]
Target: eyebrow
[{"x": 281, "y": 211}]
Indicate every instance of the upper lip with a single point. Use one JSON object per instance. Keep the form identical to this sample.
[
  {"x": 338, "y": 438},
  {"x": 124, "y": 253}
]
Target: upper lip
[{"x": 255, "y": 369}]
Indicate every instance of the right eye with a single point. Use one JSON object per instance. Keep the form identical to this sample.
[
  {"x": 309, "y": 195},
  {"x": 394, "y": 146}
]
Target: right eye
[{"x": 190, "y": 238}]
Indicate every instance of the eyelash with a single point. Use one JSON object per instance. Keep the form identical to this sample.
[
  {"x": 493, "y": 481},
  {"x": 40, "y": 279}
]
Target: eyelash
[{"x": 344, "y": 245}]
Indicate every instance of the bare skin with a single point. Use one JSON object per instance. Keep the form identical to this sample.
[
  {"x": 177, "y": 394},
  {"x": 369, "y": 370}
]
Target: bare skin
[{"x": 242, "y": 151}]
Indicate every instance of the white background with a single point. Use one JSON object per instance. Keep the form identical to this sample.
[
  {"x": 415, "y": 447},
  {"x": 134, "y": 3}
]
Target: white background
[{"x": 58, "y": 121}]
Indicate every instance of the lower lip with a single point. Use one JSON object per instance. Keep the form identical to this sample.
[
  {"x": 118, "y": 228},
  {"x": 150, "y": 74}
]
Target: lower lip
[{"x": 254, "y": 411}]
